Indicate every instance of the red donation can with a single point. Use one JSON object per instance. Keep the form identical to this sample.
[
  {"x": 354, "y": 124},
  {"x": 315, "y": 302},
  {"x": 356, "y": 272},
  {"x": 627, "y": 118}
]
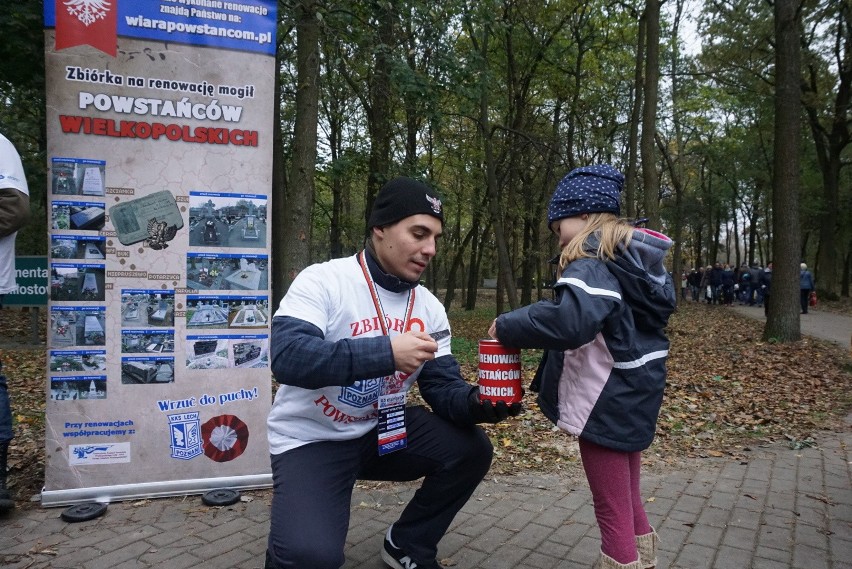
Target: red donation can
[{"x": 499, "y": 372}]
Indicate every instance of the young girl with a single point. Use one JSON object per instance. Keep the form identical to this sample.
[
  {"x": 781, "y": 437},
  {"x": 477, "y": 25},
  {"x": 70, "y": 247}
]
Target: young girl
[{"x": 604, "y": 368}]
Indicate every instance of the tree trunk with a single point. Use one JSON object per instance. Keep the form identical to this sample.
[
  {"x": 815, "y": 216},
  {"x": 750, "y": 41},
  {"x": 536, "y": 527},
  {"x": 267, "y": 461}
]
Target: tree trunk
[
  {"x": 766, "y": 251},
  {"x": 528, "y": 258},
  {"x": 676, "y": 168},
  {"x": 712, "y": 222},
  {"x": 279, "y": 210},
  {"x": 650, "y": 178},
  {"x": 717, "y": 235},
  {"x": 475, "y": 264},
  {"x": 736, "y": 231},
  {"x": 551, "y": 178},
  {"x": 697, "y": 243},
  {"x": 783, "y": 322},
  {"x": 334, "y": 119},
  {"x": 574, "y": 114},
  {"x": 454, "y": 268},
  {"x": 296, "y": 231},
  {"x": 504, "y": 265},
  {"x": 827, "y": 257},
  {"x": 635, "y": 117},
  {"x": 831, "y": 142},
  {"x": 412, "y": 115},
  {"x": 378, "y": 113}
]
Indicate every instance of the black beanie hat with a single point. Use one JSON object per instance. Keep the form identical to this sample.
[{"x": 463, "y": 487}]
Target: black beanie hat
[{"x": 402, "y": 197}]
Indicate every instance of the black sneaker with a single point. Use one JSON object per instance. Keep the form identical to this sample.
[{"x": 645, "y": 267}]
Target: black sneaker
[{"x": 398, "y": 559}]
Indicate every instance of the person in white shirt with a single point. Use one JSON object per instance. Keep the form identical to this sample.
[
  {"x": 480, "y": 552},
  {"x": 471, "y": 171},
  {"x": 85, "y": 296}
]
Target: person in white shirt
[
  {"x": 349, "y": 339},
  {"x": 14, "y": 214}
]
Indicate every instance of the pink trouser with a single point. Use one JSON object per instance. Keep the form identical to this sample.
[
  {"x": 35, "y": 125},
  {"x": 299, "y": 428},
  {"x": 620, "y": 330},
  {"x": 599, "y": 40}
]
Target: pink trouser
[{"x": 614, "y": 480}]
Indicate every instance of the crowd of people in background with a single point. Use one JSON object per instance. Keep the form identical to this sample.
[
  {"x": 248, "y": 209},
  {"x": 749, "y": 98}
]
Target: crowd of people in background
[
  {"x": 747, "y": 285},
  {"x": 724, "y": 284}
]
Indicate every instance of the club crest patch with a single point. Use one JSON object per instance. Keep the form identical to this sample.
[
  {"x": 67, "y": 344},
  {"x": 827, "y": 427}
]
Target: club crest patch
[
  {"x": 361, "y": 394},
  {"x": 185, "y": 431}
]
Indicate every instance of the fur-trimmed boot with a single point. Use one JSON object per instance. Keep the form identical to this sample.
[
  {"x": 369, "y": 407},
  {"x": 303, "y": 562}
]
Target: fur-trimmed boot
[
  {"x": 6, "y": 501},
  {"x": 647, "y": 546},
  {"x": 607, "y": 562}
]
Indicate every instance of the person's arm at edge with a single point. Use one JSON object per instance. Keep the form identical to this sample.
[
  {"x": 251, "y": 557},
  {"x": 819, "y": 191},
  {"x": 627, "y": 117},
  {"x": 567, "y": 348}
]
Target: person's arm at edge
[{"x": 14, "y": 210}]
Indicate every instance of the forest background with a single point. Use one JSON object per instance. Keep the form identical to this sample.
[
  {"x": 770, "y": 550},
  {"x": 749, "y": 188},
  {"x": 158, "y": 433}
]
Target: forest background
[{"x": 494, "y": 101}]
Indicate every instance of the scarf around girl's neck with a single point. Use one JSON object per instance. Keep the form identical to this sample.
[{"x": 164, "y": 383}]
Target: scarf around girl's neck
[{"x": 385, "y": 280}]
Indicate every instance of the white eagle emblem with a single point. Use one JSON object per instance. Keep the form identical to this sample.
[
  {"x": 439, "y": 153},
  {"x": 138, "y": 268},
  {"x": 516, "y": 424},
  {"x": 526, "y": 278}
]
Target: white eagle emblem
[
  {"x": 436, "y": 203},
  {"x": 88, "y": 11},
  {"x": 159, "y": 233}
]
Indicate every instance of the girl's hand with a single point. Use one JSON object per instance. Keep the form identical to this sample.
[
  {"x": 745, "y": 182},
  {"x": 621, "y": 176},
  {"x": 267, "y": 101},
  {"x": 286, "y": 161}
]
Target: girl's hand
[{"x": 492, "y": 330}]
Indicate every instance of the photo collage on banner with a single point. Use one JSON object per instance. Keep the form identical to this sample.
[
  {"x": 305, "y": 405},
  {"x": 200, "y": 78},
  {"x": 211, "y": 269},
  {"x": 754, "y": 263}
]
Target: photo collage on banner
[{"x": 159, "y": 129}]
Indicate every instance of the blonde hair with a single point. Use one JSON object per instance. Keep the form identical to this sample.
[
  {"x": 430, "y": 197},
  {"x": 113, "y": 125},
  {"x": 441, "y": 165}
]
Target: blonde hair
[{"x": 611, "y": 232}]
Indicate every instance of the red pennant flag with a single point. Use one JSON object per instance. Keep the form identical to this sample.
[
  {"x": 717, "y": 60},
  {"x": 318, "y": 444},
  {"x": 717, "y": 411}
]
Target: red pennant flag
[{"x": 87, "y": 22}]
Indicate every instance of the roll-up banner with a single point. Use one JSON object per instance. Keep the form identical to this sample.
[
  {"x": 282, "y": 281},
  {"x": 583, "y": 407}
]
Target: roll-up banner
[{"x": 159, "y": 139}]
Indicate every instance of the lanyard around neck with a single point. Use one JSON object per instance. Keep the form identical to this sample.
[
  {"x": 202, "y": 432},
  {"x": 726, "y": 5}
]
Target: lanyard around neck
[{"x": 377, "y": 301}]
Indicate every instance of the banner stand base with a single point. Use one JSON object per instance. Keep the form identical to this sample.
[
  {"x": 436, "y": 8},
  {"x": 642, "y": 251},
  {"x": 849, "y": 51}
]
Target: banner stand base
[
  {"x": 220, "y": 497},
  {"x": 108, "y": 494},
  {"x": 83, "y": 512}
]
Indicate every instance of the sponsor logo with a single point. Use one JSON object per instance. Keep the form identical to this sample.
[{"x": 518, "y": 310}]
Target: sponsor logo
[{"x": 112, "y": 453}]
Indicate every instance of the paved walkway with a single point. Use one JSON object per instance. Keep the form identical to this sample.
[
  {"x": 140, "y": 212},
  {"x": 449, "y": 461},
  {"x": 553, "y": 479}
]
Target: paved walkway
[
  {"x": 778, "y": 508},
  {"x": 817, "y": 323}
]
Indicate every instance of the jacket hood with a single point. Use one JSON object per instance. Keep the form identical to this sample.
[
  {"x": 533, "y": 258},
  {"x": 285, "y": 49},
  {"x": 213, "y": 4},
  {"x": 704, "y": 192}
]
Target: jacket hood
[{"x": 646, "y": 285}]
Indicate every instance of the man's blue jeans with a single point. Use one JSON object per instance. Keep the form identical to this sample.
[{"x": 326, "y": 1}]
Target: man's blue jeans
[{"x": 5, "y": 412}]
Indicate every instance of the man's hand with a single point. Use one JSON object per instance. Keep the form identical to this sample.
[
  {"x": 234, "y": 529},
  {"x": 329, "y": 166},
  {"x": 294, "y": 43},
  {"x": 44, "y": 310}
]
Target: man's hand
[
  {"x": 411, "y": 349},
  {"x": 487, "y": 412}
]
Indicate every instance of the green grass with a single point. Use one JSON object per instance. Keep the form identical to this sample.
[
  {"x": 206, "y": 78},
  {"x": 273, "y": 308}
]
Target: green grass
[{"x": 465, "y": 350}]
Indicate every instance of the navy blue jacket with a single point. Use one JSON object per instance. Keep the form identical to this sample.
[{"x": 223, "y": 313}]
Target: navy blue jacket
[{"x": 604, "y": 370}]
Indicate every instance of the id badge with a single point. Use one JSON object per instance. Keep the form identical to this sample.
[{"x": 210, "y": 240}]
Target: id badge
[{"x": 392, "y": 433}]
